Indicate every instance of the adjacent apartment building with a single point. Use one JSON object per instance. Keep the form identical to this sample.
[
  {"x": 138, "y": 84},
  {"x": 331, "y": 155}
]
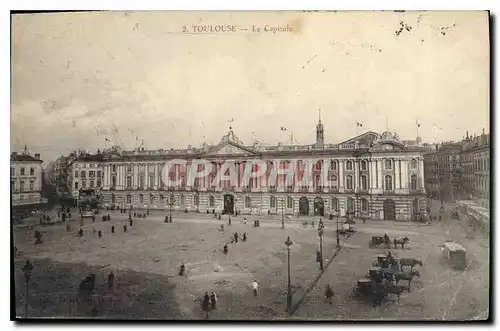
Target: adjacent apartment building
[{"x": 26, "y": 179}]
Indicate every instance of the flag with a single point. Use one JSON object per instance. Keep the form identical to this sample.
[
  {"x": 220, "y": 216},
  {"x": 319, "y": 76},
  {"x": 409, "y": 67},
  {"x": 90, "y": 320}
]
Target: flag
[
  {"x": 283, "y": 128},
  {"x": 359, "y": 124},
  {"x": 106, "y": 139},
  {"x": 418, "y": 124}
]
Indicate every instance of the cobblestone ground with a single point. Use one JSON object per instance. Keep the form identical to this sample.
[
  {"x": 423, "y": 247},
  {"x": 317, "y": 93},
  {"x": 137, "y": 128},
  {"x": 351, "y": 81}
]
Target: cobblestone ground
[
  {"x": 152, "y": 247},
  {"x": 441, "y": 293},
  {"x": 147, "y": 257}
]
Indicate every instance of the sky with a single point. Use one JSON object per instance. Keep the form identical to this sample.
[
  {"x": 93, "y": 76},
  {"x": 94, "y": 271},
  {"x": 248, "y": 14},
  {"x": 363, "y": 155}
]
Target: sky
[{"x": 77, "y": 76}]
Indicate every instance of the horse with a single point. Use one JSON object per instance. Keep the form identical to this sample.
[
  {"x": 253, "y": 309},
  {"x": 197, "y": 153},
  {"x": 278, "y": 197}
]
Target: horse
[
  {"x": 397, "y": 290},
  {"x": 406, "y": 276},
  {"x": 401, "y": 242},
  {"x": 410, "y": 262}
]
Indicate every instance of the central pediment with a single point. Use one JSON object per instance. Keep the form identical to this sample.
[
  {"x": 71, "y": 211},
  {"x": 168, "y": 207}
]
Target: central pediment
[{"x": 230, "y": 148}]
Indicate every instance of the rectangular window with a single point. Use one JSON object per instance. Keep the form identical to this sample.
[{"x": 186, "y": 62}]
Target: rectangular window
[
  {"x": 21, "y": 185},
  {"x": 12, "y": 171},
  {"x": 22, "y": 171},
  {"x": 32, "y": 171},
  {"x": 99, "y": 174},
  {"x": 76, "y": 174},
  {"x": 91, "y": 184},
  {"x": 98, "y": 183},
  {"x": 84, "y": 184},
  {"x": 76, "y": 186},
  {"x": 32, "y": 185}
]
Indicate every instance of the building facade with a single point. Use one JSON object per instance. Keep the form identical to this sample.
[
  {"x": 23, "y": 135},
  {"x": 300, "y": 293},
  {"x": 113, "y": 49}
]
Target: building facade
[
  {"x": 475, "y": 169},
  {"x": 26, "y": 179},
  {"x": 442, "y": 172},
  {"x": 375, "y": 176},
  {"x": 460, "y": 170},
  {"x": 85, "y": 172}
]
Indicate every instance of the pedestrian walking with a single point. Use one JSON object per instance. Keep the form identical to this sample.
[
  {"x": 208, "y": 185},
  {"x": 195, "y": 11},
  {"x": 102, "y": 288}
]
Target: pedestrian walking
[
  {"x": 130, "y": 222},
  {"x": 229, "y": 219},
  {"x": 244, "y": 236},
  {"x": 329, "y": 294},
  {"x": 99, "y": 233},
  {"x": 255, "y": 286},
  {"x": 213, "y": 300},
  {"x": 80, "y": 233},
  {"x": 205, "y": 305},
  {"x": 111, "y": 280},
  {"x": 112, "y": 229},
  {"x": 224, "y": 249},
  {"x": 124, "y": 228}
]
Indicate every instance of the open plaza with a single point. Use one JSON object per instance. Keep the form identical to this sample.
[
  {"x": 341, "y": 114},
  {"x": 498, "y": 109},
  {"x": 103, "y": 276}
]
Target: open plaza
[{"x": 146, "y": 261}]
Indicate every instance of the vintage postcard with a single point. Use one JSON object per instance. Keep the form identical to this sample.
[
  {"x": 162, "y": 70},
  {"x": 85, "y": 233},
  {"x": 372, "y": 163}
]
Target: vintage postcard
[{"x": 251, "y": 165}]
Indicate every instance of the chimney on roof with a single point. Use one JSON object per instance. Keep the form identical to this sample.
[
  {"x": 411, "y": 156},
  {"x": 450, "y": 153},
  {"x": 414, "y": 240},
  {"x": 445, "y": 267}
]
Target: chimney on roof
[
  {"x": 467, "y": 135},
  {"x": 37, "y": 156}
]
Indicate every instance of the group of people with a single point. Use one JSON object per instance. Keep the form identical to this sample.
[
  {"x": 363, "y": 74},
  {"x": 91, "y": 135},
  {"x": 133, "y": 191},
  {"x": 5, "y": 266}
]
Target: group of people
[{"x": 209, "y": 302}]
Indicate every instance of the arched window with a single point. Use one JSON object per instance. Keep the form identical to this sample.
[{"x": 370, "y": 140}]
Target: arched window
[
  {"x": 363, "y": 165},
  {"x": 183, "y": 200},
  {"x": 141, "y": 181},
  {"x": 113, "y": 198},
  {"x": 333, "y": 165},
  {"x": 151, "y": 180},
  {"x": 348, "y": 182},
  {"x": 413, "y": 164},
  {"x": 113, "y": 181},
  {"x": 364, "y": 183},
  {"x": 388, "y": 164},
  {"x": 388, "y": 183},
  {"x": 211, "y": 201},
  {"x": 141, "y": 198},
  {"x": 129, "y": 181},
  {"x": 129, "y": 198},
  {"x": 413, "y": 182},
  {"x": 272, "y": 202},
  {"x": 335, "y": 204},
  {"x": 289, "y": 202},
  {"x": 348, "y": 165},
  {"x": 248, "y": 202},
  {"x": 364, "y": 205},
  {"x": 196, "y": 200},
  {"x": 151, "y": 199}
]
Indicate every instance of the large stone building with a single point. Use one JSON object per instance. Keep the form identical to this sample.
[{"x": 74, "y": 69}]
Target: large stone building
[
  {"x": 475, "y": 168},
  {"x": 375, "y": 176},
  {"x": 85, "y": 173},
  {"x": 26, "y": 179},
  {"x": 460, "y": 170},
  {"x": 442, "y": 172}
]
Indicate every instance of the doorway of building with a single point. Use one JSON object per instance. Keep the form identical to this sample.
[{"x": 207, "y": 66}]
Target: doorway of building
[
  {"x": 304, "y": 206},
  {"x": 389, "y": 210},
  {"x": 319, "y": 207},
  {"x": 228, "y": 204}
]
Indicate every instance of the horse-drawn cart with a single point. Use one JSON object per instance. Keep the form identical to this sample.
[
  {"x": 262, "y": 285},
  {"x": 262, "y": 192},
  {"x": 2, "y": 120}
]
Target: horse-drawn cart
[
  {"x": 377, "y": 241},
  {"x": 368, "y": 289}
]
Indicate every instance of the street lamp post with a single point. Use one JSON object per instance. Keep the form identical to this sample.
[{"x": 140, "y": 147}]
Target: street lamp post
[
  {"x": 320, "y": 232},
  {"x": 338, "y": 235},
  {"x": 282, "y": 213},
  {"x": 171, "y": 205},
  {"x": 28, "y": 267},
  {"x": 289, "y": 243}
]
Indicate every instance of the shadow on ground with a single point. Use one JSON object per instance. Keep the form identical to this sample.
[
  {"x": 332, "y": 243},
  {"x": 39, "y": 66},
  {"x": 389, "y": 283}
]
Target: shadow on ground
[{"x": 53, "y": 292}]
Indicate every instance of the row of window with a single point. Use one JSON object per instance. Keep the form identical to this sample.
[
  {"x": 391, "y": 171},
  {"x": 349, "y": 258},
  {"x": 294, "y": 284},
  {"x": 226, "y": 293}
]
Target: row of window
[
  {"x": 333, "y": 165},
  {"x": 92, "y": 184},
  {"x": 22, "y": 170},
  {"x": 22, "y": 185},
  {"x": 92, "y": 173},
  {"x": 87, "y": 165}
]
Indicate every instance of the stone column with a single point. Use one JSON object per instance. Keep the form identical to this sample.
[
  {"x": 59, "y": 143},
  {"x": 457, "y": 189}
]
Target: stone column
[
  {"x": 341, "y": 175},
  {"x": 356, "y": 185},
  {"x": 371, "y": 173},
  {"x": 421, "y": 175},
  {"x": 404, "y": 174},
  {"x": 380, "y": 179},
  {"x": 396, "y": 174}
]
